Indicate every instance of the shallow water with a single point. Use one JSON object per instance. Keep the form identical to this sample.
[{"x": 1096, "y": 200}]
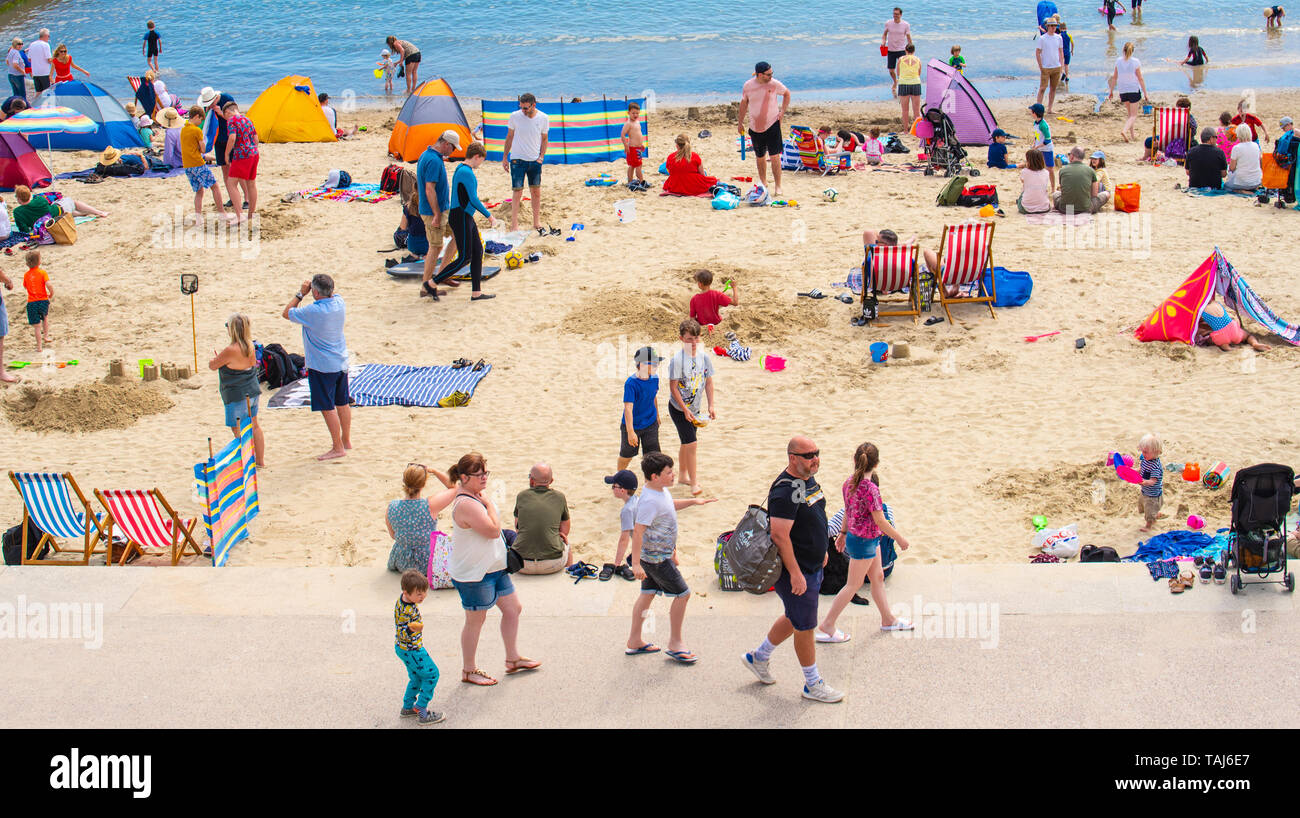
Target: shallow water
[{"x": 700, "y": 49}]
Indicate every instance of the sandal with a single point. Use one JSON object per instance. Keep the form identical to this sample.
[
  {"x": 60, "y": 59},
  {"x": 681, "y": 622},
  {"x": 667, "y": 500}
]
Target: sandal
[
  {"x": 466, "y": 676},
  {"x": 479, "y": 365},
  {"x": 606, "y": 572},
  {"x": 460, "y": 363},
  {"x": 521, "y": 664},
  {"x": 1175, "y": 585},
  {"x": 831, "y": 638}
]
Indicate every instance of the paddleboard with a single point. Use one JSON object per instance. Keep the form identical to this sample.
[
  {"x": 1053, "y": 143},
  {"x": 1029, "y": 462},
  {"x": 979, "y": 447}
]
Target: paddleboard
[{"x": 415, "y": 269}]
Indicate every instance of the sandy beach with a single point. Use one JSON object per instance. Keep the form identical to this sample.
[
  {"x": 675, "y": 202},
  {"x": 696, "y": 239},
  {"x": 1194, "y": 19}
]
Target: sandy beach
[{"x": 978, "y": 432}]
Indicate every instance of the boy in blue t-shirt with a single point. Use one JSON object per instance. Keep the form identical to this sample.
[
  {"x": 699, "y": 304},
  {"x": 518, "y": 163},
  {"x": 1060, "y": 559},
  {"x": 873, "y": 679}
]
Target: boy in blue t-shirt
[
  {"x": 998, "y": 150},
  {"x": 152, "y": 46},
  {"x": 639, "y": 426}
]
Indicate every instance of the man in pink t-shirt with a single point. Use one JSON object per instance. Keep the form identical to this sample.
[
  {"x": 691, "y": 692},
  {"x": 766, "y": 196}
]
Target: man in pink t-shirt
[
  {"x": 895, "y": 40},
  {"x": 759, "y": 99}
]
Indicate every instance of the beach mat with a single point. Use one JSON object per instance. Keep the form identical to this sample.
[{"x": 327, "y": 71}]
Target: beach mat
[
  {"x": 356, "y": 192},
  {"x": 1059, "y": 219},
  {"x": 398, "y": 385},
  {"x": 149, "y": 174},
  {"x": 415, "y": 269},
  {"x": 297, "y": 394}
]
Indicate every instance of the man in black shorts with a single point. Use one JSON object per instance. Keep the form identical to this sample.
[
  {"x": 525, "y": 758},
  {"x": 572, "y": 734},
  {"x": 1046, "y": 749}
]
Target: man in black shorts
[
  {"x": 895, "y": 40},
  {"x": 758, "y": 100},
  {"x": 796, "y": 511}
]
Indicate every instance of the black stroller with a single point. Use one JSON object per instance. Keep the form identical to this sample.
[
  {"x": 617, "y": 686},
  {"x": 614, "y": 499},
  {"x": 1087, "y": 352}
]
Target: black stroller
[
  {"x": 943, "y": 147},
  {"x": 1261, "y": 498}
]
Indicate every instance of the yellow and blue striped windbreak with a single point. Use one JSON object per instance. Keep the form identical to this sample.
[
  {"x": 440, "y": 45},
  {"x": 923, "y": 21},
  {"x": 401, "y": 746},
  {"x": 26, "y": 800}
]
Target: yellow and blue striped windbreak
[
  {"x": 227, "y": 487},
  {"x": 580, "y": 131}
]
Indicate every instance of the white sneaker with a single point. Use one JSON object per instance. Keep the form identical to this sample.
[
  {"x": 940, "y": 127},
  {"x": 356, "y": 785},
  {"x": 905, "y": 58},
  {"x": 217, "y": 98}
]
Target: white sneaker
[
  {"x": 761, "y": 669},
  {"x": 822, "y": 692}
]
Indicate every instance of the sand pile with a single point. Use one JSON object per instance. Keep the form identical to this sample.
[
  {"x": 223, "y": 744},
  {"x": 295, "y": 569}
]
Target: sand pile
[
  {"x": 768, "y": 317},
  {"x": 1071, "y": 493},
  {"x": 85, "y": 408}
]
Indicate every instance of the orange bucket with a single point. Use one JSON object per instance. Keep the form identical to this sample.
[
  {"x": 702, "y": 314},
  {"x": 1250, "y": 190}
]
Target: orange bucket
[
  {"x": 1127, "y": 197},
  {"x": 1192, "y": 472}
]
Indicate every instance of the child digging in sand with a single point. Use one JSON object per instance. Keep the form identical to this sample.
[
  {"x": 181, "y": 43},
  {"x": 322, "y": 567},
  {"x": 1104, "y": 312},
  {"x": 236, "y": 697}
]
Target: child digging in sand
[
  {"x": 706, "y": 306},
  {"x": 1152, "y": 471},
  {"x": 37, "y": 283},
  {"x": 1223, "y": 331},
  {"x": 420, "y": 669}
]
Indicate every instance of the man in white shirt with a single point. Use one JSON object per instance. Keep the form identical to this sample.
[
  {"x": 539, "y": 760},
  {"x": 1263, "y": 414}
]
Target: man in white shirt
[
  {"x": 523, "y": 155},
  {"x": 39, "y": 53},
  {"x": 1050, "y": 52}
]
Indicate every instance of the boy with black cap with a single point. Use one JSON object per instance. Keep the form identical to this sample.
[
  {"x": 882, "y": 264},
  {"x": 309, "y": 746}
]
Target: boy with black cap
[
  {"x": 624, "y": 486},
  {"x": 639, "y": 427}
]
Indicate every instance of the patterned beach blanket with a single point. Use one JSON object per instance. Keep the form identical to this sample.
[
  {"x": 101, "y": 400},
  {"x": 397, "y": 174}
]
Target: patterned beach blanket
[
  {"x": 356, "y": 192},
  {"x": 390, "y": 385}
]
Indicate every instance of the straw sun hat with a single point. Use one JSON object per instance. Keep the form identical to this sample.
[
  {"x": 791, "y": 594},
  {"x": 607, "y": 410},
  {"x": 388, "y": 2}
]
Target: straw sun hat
[
  {"x": 110, "y": 156},
  {"x": 168, "y": 118}
]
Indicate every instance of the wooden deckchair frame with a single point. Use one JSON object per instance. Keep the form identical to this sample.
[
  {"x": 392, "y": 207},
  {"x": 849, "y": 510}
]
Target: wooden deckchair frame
[
  {"x": 989, "y": 296},
  {"x": 913, "y": 286},
  {"x": 182, "y": 535},
  {"x": 88, "y": 542}
]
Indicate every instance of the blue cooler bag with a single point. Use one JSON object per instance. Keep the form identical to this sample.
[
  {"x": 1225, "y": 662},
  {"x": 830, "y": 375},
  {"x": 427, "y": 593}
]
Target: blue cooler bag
[{"x": 1013, "y": 287}]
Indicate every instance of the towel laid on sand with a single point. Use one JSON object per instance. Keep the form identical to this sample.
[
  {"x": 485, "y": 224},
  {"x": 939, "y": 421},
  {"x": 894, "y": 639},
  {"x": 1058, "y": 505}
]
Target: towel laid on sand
[
  {"x": 356, "y": 192},
  {"x": 297, "y": 394},
  {"x": 397, "y": 385},
  {"x": 1054, "y": 218},
  {"x": 148, "y": 174}
]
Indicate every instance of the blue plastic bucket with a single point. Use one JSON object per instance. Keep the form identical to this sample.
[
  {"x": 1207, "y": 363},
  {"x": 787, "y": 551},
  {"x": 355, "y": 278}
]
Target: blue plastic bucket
[{"x": 879, "y": 352}]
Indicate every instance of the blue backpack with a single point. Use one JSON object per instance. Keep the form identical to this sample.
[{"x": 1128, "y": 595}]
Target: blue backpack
[{"x": 1013, "y": 287}]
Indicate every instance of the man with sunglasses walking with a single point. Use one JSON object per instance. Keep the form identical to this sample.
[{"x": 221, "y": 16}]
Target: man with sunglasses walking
[{"x": 796, "y": 511}]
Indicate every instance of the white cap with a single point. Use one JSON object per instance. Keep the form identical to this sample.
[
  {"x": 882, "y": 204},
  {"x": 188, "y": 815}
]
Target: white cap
[
  {"x": 332, "y": 181},
  {"x": 384, "y": 53},
  {"x": 451, "y": 137}
]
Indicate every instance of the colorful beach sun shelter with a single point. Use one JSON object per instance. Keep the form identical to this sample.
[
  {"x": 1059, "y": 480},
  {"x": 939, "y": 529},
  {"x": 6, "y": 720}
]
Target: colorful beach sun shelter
[
  {"x": 580, "y": 131},
  {"x": 290, "y": 112},
  {"x": 947, "y": 89},
  {"x": 425, "y": 115},
  {"x": 20, "y": 164},
  {"x": 1177, "y": 316},
  {"x": 113, "y": 125}
]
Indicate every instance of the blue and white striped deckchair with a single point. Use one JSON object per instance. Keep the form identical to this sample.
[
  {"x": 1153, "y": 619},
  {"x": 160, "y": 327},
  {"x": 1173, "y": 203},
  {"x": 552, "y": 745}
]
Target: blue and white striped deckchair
[
  {"x": 49, "y": 504},
  {"x": 397, "y": 385}
]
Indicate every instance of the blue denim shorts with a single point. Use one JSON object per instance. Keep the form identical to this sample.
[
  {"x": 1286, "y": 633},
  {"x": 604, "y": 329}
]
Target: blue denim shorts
[
  {"x": 519, "y": 168},
  {"x": 235, "y": 412},
  {"x": 857, "y": 548},
  {"x": 482, "y": 595}
]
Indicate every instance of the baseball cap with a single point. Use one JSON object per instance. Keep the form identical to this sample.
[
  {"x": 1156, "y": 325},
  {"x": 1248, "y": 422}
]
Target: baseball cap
[
  {"x": 1098, "y": 155},
  {"x": 624, "y": 479},
  {"x": 999, "y": 132},
  {"x": 384, "y": 53},
  {"x": 762, "y": 67},
  {"x": 1038, "y": 109},
  {"x": 451, "y": 138},
  {"x": 1286, "y": 120},
  {"x": 646, "y": 355}
]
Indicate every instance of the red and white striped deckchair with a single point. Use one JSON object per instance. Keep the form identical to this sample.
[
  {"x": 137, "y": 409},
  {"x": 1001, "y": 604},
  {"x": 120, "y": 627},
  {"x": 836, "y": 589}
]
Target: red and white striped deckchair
[
  {"x": 1172, "y": 125},
  {"x": 892, "y": 269},
  {"x": 965, "y": 254},
  {"x": 137, "y": 515}
]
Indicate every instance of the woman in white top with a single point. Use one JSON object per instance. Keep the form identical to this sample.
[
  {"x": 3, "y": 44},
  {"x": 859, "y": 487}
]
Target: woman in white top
[
  {"x": 478, "y": 569},
  {"x": 16, "y": 68},
  {"x": 1035, "y": 197},
  {"x": 1244, "y": 169},
  {"x": 1127, "y": 79}
]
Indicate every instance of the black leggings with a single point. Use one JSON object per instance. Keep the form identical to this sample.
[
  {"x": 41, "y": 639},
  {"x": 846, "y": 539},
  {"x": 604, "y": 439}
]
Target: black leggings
[{"x": 469, "y": 248}]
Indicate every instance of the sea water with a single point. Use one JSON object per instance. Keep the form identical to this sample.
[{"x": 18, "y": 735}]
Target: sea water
[{"x": 683, "y": 50}]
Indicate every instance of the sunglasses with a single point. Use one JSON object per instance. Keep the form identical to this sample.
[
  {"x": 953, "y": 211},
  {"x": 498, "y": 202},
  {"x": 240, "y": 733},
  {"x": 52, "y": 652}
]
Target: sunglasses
[
  {"x": 421, "y": 465},
  {"x": 813, "y": 455},
  {"x": 483, "y": 474}
]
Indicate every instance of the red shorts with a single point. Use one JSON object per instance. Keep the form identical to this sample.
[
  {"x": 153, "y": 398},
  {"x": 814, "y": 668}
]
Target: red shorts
[
  {"x": 633, "y": 156},
  {"x": 244, "y": 168}
]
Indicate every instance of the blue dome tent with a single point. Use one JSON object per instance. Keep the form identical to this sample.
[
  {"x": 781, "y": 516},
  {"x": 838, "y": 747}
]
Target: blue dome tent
[{"x": 114, "y": 124}]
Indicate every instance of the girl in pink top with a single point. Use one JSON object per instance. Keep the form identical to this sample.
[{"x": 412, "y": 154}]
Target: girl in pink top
[{"x": 864, "y": 524}]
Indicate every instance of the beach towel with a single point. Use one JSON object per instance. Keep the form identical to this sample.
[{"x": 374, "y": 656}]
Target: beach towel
[
  {"x": 148, "y": 174},
  {"x": 356, "y": 192},
  {"x": 1170, "y": 545},
  {"x": 1176, "y": 318},
  {"x": 1223, "y": 191},
  {"x": 705, "y": 195},
  {"x": 398, "y": 385},
  {"x": 297, "y": 394}
]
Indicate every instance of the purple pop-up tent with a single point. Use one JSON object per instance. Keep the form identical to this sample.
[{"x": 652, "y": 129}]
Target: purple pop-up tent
[{"x": 949, "y": 91}]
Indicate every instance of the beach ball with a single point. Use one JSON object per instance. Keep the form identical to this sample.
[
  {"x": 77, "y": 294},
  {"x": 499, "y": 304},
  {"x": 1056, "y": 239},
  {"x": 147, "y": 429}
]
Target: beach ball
[{"x": 514, "y": 260}]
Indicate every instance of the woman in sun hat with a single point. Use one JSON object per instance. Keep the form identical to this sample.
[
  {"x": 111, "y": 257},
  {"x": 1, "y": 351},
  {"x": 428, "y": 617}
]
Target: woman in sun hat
[{"x": 171, "y": 122}]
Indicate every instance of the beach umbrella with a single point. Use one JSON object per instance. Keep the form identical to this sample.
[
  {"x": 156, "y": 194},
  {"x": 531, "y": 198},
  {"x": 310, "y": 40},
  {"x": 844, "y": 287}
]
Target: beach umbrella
[{"x": 55, "y": 119}]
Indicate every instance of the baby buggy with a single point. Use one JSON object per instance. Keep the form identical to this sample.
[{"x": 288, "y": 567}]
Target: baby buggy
[
  {"x": 940, "y": 142},
  {"x": 1261, "y": 498}
]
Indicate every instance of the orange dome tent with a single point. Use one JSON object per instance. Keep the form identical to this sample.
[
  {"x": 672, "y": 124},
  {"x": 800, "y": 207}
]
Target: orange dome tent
[{"x": 432, "y": 109}]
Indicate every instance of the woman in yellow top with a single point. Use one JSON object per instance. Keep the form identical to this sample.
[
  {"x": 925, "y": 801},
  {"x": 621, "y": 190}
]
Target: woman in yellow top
[
  {"x": 909, "y": 86},
  {"x": 196, "y": 168}
]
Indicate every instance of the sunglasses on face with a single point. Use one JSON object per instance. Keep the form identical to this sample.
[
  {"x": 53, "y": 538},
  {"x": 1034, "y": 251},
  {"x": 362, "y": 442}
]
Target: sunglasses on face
[
  {"x": 813, "y": 455},
  {"x": 483, "y": 474}
]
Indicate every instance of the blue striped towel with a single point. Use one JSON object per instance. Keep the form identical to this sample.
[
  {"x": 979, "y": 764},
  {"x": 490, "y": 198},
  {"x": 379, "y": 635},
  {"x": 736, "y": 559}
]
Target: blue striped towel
[{"x": 397, "y": 385}]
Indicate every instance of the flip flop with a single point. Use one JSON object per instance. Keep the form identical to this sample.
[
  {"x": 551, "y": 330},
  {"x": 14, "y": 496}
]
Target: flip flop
[
  {"x": 683, "y": 656},
  {"x": 814, "y": 293},
  {"x": 900, "y": 624},
  {"x": 479, "y": 365},
  {"x": 832, "y": 638},
  {"x": 460, "y": 363},
  {"x": 646, "y": 648},
  {"x": 936, "y": 319}
]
